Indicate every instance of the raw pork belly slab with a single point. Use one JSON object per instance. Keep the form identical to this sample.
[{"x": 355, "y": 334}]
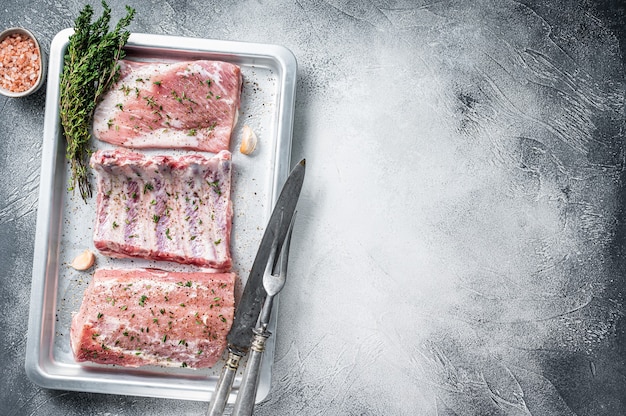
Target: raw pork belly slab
[
  {"x": 152, "y": 317},
  {"x": 190, "y": 105},
  {"x": 164, "y": 208}
]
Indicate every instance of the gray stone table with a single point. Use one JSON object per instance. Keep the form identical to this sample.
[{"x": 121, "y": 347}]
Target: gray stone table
[{"x": 461, "y": 232}]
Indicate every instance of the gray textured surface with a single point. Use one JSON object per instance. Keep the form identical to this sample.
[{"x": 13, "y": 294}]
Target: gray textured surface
[{"x": 460, "y": 246}]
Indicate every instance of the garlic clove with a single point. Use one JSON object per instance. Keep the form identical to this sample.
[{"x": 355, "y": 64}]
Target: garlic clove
[
  {"x": 248, "y": 141},
  {"x": 84, "y": 260}
]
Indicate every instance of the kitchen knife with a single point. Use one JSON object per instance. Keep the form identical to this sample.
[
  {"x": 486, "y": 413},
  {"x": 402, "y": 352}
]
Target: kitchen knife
[{"x": 240, "y": 336}]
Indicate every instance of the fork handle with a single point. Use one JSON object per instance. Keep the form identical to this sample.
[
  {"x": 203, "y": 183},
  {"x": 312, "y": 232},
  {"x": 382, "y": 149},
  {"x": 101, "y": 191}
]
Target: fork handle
[
  {"x": 224, "y": 385},
  {"x": 244, "y": 404}
]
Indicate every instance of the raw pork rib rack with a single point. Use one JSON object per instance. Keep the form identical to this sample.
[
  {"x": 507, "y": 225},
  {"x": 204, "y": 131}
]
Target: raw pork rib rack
[
  {"x": 185, "y": 105},
  {"x": 153, "y": 317},
  {"x": 164, "y": 208}
]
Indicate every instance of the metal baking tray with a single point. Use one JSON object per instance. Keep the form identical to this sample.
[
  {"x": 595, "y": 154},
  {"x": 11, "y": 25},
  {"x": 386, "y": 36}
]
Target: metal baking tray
[{"x": 65, "y": 221}]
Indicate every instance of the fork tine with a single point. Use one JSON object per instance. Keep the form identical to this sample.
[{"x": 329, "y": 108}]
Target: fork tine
[
  {"x": 273, "y": 257},
  {"x": 284, "y": 252}
]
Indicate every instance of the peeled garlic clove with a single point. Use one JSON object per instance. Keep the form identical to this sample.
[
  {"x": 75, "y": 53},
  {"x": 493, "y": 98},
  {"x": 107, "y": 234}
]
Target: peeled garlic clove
[
  {"x": 248, "y": 141},
  {"x": 84, "y": 260}
]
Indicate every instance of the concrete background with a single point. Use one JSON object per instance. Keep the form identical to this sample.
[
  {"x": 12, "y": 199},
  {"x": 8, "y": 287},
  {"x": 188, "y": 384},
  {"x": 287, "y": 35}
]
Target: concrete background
[{"x": 460, "y": 248}]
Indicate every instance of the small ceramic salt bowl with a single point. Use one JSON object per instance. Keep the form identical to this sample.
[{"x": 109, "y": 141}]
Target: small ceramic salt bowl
[{"x": 22, "y": 63}]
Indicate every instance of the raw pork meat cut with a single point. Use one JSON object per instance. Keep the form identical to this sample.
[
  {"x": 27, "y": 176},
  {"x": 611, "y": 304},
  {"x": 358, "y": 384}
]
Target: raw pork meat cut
[
  {"x": 190, "y": 105},
  {"x": 164, "y": 208},
  {"x": 137, "y": 317}
]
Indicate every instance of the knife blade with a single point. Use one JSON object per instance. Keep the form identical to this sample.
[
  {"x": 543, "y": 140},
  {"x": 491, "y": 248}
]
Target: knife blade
[{"x": 240, "y": 336}]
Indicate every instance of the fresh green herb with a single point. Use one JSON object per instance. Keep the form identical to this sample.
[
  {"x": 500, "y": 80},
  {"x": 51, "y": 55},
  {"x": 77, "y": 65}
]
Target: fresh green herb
[
  {"x": 167, "y": 234},
  {"x": 164, "y": 338},
  {"x": 150, "y": 102},
  {"x": 148, "y": 187},
  {"x": 100, "y": 315},
  {"x": 184, "y": 97},
  {"x": 156, "y": 218},
  {"x": 157, "y": 82},
  {"x": 176, "y": 97},
  {"x": 90, "y": 68},
  {"x": 216, "y": 186},
  {"x": 189, "y": 283},
  {"x": 216, "y": 242},
  {"x": 114, "y": 225},
  {"x": 142, "y": 300}
]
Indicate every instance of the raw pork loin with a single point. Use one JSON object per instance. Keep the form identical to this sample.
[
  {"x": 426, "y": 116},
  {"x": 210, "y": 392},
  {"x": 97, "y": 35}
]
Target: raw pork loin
[
  {"x": 190, "y": 105},
  {"x": 153, "y": 317},
  {"x": 164, "y": 208}
]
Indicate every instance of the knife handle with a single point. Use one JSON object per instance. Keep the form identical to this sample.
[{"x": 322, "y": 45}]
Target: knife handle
[
  {"x": 224, "y": 385},
  {"x": 244, "y": 404}
]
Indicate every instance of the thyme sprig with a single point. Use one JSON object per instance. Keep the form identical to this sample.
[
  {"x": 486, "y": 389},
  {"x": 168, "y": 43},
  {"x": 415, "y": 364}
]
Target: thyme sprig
[{"x": 90, "y": 68}]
